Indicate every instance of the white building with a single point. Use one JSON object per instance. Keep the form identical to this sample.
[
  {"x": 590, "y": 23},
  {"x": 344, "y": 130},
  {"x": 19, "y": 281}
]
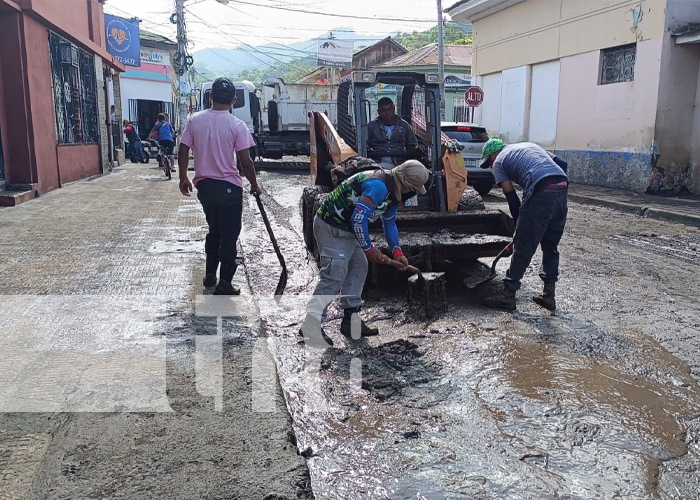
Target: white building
[{"x": 612, "y": 86}]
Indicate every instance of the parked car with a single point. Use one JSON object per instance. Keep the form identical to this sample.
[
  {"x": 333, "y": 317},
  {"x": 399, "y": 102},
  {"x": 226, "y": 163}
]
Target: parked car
[{"x": 472, "y": 137}]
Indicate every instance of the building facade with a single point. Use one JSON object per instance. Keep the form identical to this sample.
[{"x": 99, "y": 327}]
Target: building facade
[
  {"x": 151, "y": 88},
  {"x": 457, "y": 64},
  {"x": 612, "y": 86},
  {"x": 54, "y": 109}
]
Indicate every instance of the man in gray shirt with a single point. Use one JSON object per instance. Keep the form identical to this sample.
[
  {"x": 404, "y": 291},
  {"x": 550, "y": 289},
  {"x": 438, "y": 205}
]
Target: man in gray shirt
[{"x": 539, "y": 220}]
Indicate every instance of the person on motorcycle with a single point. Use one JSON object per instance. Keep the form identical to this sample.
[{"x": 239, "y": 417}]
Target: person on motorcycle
[
  {"x": 342, "y": 236},
  {"x": 163, "y": 132},
  {"x": 390, "y": 140},
  {"x": 134, "y": 147}
]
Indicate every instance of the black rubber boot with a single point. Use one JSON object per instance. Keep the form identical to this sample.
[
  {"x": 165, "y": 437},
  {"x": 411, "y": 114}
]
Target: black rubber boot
[
  {"x": 313, "y": 333},
  {"x": 504, "y": 300},
  {"x": 226, "y": 288},
  {"x": 546, "y": 298},
  {"x": 211, "y": 267},
  {"x": 351, "y": 319}
]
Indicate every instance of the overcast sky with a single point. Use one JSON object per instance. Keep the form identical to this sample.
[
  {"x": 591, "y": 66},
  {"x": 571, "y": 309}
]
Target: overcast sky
[{"x": 211, "y": 24}]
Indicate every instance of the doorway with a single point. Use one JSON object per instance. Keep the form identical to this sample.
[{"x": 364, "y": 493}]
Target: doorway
[{"x": 144, "y": 113}]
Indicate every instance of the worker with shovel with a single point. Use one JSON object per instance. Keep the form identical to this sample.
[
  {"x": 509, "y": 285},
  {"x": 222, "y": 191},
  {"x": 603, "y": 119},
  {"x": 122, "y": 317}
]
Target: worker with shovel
[
  {"x": 217, "y": 138},
  {"x": 342, "y": 236},
  {"x": 539, "y": 220}
]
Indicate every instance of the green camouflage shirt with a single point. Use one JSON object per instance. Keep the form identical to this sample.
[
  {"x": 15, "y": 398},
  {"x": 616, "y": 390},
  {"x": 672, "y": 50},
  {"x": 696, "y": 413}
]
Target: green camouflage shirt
[{"x": 338, "y": 208}]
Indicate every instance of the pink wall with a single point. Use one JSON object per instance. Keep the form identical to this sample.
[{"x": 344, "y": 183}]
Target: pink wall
[
  {"x": 42, "y": 117},
  {"x": 613, "y": 117},
  {"x": 19, "y": 160},
  {"x": 76, "y": 162}
]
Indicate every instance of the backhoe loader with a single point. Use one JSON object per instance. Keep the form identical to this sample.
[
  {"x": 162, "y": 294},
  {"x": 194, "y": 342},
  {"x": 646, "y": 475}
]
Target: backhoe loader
[{"x": 439, "y": 231}]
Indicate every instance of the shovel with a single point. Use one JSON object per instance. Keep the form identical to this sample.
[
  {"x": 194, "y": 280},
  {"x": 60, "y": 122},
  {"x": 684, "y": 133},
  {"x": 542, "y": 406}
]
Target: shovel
[
  {"x": 282, "y": 283},
  {"x": 474, "y": 281},
  {"x": 399, "y": 265}
]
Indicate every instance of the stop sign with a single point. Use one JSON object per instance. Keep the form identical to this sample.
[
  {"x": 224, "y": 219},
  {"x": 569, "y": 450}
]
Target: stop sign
[{"x": 474, "y": 96}]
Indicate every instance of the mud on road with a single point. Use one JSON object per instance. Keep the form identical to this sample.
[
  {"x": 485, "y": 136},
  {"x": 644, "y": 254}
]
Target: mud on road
[{"x": 600, "y": 400}]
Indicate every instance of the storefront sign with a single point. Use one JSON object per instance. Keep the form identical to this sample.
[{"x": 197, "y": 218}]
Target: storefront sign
[
  {"x": 123, "y": 40},
  {"x": 335, "y": 53}
]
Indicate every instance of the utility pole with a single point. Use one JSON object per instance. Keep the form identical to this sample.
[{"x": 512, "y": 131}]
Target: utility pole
[
  {"x": 182, "y": 62},
  {"x": 441, "y": 60}
]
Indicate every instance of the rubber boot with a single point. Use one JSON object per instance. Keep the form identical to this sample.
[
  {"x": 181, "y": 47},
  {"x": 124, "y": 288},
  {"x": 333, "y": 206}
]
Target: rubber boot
[
  {"x": 504, "y": 300},
  {"x": 546, "y": 298},
  {"x": 351, "y": 319},
  {"x": 313, "y": 333},
  {"x": 225, "y": 276},
  {"x": 211, "y": 267}
]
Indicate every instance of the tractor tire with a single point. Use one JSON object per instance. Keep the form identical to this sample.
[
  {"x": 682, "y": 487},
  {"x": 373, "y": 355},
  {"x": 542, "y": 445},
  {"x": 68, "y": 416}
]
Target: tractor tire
[
  {"x": 308, "y": 210},
  {"x": 471, "y": 200}
]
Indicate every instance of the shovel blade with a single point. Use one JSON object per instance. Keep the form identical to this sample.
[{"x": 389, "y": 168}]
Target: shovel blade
[
  {"x": 474, "y": 281},
  {"x": 281, "y": 285}
]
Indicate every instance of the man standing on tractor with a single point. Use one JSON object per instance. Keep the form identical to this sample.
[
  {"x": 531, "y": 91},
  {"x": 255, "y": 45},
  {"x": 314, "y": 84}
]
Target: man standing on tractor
[
  {"x": 539, "y": 220},
  {"x": 342, "y": 236},
  {"x": 217, "y": 138},
  {"x": 390, "y": 140}
]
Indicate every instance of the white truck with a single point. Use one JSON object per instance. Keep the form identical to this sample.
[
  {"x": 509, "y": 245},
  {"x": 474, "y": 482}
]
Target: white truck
[{"x": 277, "y": 114}]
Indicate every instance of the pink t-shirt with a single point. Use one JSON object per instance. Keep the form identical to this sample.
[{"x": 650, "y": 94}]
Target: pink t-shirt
[{"x": 215, "y": 136}]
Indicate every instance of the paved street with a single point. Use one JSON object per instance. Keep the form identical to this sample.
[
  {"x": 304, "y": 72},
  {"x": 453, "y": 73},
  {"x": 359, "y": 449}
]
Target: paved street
[
  {"x": 112, "y": 386},
  {"x": 124, "y": 382}
]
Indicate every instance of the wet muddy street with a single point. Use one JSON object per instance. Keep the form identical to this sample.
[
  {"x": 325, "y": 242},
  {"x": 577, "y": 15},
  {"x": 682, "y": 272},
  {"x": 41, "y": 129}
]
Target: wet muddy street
[{"x": 600, "y": 400}]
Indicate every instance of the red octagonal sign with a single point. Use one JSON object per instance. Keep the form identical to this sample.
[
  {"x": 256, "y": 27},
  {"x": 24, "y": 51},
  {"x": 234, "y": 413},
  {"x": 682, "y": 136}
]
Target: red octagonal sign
[{"x": 474, "y": 96}]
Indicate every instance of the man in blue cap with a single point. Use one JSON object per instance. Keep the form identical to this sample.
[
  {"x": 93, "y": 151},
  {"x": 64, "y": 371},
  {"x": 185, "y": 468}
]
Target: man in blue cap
[{"x": 540, "y": 218}]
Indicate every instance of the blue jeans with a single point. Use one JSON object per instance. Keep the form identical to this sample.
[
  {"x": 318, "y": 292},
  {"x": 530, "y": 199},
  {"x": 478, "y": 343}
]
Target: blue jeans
[
  {"x": 135, "y": 152},
  {"x": 541, "y": 222}
]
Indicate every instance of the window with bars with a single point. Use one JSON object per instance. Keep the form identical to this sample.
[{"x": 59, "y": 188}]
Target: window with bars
[
  {"x": 74, "y": 92},
  {"x": 617, "y": 64}
]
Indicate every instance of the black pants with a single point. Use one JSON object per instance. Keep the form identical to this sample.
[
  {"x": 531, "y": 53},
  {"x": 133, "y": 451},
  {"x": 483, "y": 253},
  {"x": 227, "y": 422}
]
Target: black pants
[
  {"x": 223, "y": 208},
  {"x": 541, "y": 222}
]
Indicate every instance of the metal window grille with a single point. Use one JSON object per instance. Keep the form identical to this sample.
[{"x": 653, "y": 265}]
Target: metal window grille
[
  {"x": 461, "y": 111},
  {"x": 617, "y": 64},
  {"x": 346, "y": 120},
  {"x": 74, "y": 92}
]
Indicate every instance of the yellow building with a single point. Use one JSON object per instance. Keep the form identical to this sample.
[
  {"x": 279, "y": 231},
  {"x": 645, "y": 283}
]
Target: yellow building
[{"x": 612, "y": 85}]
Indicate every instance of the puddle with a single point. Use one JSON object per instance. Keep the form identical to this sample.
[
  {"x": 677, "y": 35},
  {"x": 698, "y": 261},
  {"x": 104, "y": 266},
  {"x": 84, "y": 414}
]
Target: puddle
[
  {"x": 182, "y": 246},
  {"x": 475, "y": 404}
]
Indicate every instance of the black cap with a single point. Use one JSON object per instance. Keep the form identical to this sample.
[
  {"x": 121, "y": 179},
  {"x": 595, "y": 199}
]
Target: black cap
[{"x": 223, "y": 87}]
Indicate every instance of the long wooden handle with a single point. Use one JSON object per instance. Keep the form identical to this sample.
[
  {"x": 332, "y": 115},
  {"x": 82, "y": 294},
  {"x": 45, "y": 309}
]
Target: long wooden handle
[
  {"x": 399, "y": 265},
  {"x": 508, "y": 248}
]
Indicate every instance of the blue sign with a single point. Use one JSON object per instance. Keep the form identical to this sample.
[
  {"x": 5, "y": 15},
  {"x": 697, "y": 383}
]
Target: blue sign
[{"x": 123, "y": 40}]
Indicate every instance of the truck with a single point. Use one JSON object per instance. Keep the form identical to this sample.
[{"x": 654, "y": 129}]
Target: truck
[{"x": 276, "y": 116}]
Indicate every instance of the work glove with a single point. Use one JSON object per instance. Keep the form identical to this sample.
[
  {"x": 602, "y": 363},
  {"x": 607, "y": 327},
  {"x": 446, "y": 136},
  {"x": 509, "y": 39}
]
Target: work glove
[{"x": 454, "y": 146}]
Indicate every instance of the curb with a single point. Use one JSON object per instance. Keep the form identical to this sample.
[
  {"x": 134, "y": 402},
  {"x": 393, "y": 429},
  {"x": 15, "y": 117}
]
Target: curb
[{"x": 639, "y": 210}]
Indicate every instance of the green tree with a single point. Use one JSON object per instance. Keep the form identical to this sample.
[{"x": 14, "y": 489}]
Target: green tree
[{"x": 454, "y": 34}]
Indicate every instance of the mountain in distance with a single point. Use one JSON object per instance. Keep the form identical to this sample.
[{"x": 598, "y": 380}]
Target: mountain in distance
[{"x": 219, "y": 61}]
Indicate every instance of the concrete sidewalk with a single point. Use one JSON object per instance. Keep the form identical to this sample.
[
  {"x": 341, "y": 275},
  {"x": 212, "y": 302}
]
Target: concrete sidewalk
[{"x": 679, "y": 208}]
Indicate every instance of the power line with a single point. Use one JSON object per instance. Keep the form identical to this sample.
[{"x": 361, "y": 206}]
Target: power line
[
  {"x": 329, "y": 14},
  {"x": 247, "y": 45}
]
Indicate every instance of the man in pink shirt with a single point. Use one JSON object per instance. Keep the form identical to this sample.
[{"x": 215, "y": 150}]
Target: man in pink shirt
[{"x": 217, "y": 137}]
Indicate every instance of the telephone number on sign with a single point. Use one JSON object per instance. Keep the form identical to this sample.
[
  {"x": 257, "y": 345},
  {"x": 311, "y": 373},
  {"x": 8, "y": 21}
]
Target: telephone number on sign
[{"x": 130, "y": 61}]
